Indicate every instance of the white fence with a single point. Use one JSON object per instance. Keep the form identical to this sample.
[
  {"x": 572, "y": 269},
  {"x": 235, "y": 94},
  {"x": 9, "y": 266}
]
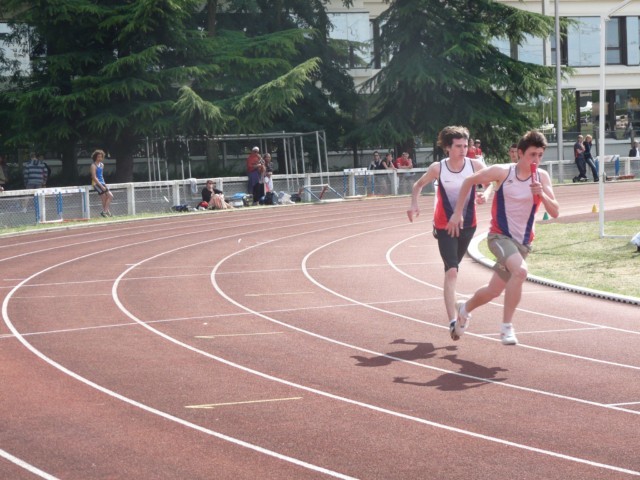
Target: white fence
[{"x": 31, "y": 207}]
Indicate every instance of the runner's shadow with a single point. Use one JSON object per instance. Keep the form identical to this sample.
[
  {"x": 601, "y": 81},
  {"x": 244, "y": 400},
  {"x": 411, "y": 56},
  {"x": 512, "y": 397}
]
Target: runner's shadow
[
  {"x": 420, "y": 352},
  {"x": 470, "y": 375}
]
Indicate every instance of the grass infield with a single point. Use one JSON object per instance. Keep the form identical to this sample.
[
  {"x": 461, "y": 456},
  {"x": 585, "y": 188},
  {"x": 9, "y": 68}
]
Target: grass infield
[{"x": 574, "y": 253}]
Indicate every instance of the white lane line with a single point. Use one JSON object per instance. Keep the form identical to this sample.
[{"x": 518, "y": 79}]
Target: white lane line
[
  {"x": 247, "y": 402},
  {"x": 276, "y": 294},
  {"x": 238, "y": 334},
  {"x": 384, "y": 410},
  {"x": 220, "y": 315},
  {"x": 340, "y": 398},
  {"x": 558, "y": 330},
  {"x": 86, "y": 381},
  {"x": 626, "y": 403},
  {"x": 544, "y": 315},
  {"x": 171, "y": 339},
  {"x": 21, "y": 463}
]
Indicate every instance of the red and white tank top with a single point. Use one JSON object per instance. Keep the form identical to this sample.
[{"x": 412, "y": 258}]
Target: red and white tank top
[
  {"x": 514, "y": 209},
  {"x": 449, "y": 183}
]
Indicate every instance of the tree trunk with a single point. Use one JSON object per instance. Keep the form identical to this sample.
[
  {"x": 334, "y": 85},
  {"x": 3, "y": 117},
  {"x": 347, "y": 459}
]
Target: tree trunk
[
  {"x": 69, "y": 164},
  {"x": 212, "y": 12}
]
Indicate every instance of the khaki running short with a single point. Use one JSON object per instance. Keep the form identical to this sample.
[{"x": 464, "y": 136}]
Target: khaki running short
[{"x": 503, "y": 247}]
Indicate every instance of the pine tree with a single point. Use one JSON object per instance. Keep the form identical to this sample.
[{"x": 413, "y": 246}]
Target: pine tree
[
  {"x": 444, "y": 70},
  {"x": 110, "y": 73}
]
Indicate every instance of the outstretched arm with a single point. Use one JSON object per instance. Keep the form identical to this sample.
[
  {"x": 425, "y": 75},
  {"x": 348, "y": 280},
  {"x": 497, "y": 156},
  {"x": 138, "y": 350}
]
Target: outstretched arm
[{"x": 429, "y": 176}]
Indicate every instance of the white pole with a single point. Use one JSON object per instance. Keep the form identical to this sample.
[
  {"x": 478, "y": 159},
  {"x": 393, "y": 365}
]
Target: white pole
[
  {"x": 602, "y": 114},
  {"x": 559, "y": 126},
  {"x": 602, "y": 110}
]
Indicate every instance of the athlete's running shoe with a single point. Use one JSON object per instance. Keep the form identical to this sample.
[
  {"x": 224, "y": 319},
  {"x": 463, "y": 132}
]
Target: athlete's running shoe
[
  {"x": 462, "y": 322},
  {"x": 508, "y": 336},
  {"x": 452, "y": 331}
]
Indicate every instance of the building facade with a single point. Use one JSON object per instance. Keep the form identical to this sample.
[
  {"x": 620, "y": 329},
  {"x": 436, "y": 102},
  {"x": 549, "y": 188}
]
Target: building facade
[{"x": 580, "y": 51}]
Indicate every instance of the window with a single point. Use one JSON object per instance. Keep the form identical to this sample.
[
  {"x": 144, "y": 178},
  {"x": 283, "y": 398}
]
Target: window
[
  {"x": 12, "y": 53},
  {"x": 532, "y": 50},
  {"x": 355, "y": 29},
  {"x": 564, "y": 53},
  {"x": 583, "y": 42},
  {"x": 614, "y": 41}
]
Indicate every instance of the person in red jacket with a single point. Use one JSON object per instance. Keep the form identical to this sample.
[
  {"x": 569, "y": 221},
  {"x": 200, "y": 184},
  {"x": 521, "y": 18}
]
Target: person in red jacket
[{"x": 255, "y": 169}]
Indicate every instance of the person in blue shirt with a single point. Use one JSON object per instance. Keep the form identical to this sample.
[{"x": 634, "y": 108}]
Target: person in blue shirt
[{"x": 99, "y": 185}]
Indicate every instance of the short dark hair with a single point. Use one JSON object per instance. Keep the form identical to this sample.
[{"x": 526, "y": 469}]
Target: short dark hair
[
  {"x": 532, "y": 138},
  {"x": 448, "y": 134}
]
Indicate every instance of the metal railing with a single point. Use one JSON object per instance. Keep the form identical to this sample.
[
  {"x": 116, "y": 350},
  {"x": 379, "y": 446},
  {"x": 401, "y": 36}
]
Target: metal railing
[{"x": 53, "y": 205}]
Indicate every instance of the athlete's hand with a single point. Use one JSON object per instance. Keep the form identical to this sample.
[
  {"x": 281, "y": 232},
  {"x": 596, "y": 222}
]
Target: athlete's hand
[
  {"x": 454, "y": 224},
  {"x": 413, "y": 212},
  {"x": 536, "y": 188}
]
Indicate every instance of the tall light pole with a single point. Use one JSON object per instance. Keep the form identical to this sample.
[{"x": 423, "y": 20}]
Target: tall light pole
[
  {"x": 604, "y": 18},
  {"x": 559, "y": 127}
]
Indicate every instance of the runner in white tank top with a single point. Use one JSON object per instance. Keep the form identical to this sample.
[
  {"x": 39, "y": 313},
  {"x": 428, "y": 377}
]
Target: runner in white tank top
[
  {"x": 518, "y": 196},
  {"x": 450, "y": 174}
]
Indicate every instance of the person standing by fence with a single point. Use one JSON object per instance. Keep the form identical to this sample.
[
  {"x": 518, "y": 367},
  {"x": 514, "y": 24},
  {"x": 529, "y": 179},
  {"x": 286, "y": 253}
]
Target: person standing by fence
[
  {"x": 588, "y": 157},
  {"x": 35, "y": 173},
  {"x": 99, "y": 185}
]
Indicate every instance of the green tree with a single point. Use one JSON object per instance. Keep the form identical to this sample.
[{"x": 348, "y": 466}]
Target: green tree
[
  {"x": 444, "y": 70},
  {"x": 329, "y": 100},
  {"x": 110, "y": 73}
]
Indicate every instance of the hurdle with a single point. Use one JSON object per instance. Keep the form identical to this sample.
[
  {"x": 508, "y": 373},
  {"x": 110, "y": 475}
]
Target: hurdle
[{"x": 59, "y": 194}]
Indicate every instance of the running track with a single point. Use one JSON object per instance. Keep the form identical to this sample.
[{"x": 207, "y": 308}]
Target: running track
[{"x": 301, "y": 343}]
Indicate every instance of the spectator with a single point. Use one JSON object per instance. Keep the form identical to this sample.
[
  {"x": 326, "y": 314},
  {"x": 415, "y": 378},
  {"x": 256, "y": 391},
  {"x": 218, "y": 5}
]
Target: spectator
[
  {"x": 388, "y": 162},
  {"x": 384, "y": 180},
  {"x": 99, "y": 185},
  {"x": 578, "y": 152},
  {"x": 375, "y": 162},
  {"x": 635, "y": 151},
  {"x": 403, "y": 162},
  {"x": 450, "y": 174},
  {"x": 471, "y": 151},
  {"x": 478, "y": 145},
  {"x": 268, "y": 163},
  {"x": 588, "y": 158},
  {"x": 513, "y": 153},
  {"x": 47, "y": 167},
  {"x": 35, "y": 173},
  {"x": 255, "y": 169},
  {"x": 214, "y": 197},
  {"x": 4, "y": 172}
]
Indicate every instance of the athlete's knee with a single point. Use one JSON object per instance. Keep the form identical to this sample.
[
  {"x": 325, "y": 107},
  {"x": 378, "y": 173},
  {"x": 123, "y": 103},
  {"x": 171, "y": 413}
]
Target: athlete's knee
[
  {"x": 451, "y": 271},
  {"x": 519, "y": 273}
]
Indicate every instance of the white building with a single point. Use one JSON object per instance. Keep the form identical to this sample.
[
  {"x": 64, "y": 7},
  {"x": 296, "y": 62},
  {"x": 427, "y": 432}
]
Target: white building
[{"x": 581, "y": 51}]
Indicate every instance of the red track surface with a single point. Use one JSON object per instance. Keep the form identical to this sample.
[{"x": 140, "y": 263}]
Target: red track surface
[{"x": 305, "y": 342}]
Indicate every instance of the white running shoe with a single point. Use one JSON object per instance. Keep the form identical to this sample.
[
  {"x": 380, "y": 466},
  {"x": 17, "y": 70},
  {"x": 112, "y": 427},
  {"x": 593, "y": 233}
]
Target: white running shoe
[
  {"x": 452, "y": 331},
  {"x": 462, "y": 322},
  {"x": 508, "y": 336}
]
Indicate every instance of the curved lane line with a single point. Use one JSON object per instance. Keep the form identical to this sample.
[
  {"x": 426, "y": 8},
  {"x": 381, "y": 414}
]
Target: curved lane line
[
  {"x": 261, "y": 374},
  {"x": 21, "y": 463}
]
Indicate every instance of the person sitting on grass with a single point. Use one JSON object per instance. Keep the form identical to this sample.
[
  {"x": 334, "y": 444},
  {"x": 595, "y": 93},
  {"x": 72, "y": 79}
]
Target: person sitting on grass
[{"x": 214, "y": 197}]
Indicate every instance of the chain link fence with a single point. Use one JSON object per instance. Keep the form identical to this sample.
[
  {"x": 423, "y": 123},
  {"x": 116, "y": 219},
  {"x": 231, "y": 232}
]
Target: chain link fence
[{"x": 55, "y": 205}]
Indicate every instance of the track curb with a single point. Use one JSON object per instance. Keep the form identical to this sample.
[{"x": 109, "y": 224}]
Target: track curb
[{"x": 475, "y": 254}]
